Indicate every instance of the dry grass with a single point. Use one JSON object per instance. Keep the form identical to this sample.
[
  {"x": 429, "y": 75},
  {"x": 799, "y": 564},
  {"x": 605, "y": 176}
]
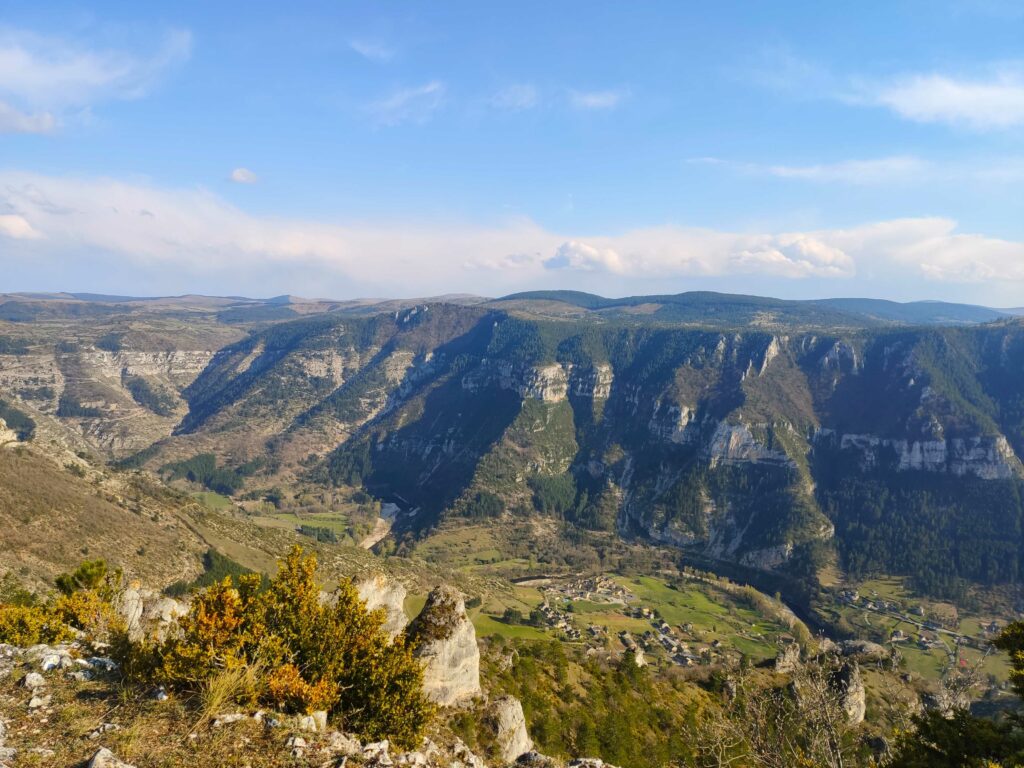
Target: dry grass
[{"x": 150, "y": 734}]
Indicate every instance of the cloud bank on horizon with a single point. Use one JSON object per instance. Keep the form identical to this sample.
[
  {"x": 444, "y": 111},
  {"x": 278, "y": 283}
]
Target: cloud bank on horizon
[
  {"x": 202, "y": 237},
  {"x": 417, "y": 152}
]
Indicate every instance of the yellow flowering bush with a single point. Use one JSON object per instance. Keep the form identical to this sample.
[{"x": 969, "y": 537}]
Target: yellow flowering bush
[{"x": 333, "y": 656}]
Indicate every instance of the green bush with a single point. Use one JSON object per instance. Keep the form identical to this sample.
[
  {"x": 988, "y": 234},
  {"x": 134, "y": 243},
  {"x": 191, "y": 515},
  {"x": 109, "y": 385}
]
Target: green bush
[{"x": 313, "y": 655}]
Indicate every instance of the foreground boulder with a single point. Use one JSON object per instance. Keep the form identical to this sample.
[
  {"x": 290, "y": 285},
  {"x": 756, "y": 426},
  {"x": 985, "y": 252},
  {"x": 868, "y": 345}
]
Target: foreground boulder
[
  {"x": 506, "y": 719},
  {"x": 378, "y": 591},
  {"x": 444, "y": 639}
]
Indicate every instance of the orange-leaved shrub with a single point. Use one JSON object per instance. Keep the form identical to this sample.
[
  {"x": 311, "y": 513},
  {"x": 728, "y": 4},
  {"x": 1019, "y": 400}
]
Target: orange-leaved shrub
[{"x": 333, "y": 656}]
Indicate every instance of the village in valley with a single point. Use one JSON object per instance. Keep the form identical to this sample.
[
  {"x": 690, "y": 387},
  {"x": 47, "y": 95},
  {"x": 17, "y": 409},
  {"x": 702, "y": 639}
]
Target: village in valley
[{"x": 607, "y": 615}]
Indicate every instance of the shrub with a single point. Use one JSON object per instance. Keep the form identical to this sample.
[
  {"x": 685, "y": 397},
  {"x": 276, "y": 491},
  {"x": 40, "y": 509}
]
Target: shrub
[
  {"x": 335, "y": 657},
  {"x": 25, "y": 625},
  {"x": 91, "y": 574}
]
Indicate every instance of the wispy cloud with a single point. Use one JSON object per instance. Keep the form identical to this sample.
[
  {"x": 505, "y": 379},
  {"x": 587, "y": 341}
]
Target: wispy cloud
[
  {"x": 409, "y": 105},
  {"x": 994, "y": 102},
  {"x": 515, "y": 98},
  {"x": 41, "y": 78},
  {"x": 596, "y": 100},
  {"x": 991, "y": 98},
  {"x": 153, "y": 230},
  {"x": 15, "y": 121},
  {"x": 372, "y": 50},
  {"x": 882, "y": 170},
  {"x": 243, "y": 176}
]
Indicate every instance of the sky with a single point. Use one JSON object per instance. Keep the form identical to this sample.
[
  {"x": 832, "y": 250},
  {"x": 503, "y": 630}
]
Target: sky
[{"x": 342, "y": 149}]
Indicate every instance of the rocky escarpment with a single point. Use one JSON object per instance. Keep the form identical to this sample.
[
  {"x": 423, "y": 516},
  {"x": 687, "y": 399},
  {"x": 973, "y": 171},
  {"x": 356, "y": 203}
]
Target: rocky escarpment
[
  {"x": 985, "y": 457},
  {"x": 444, "y": 639}
]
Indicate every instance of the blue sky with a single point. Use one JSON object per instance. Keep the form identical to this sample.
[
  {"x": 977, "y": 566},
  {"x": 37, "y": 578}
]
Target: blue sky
[{"x": 798, "y": 149}]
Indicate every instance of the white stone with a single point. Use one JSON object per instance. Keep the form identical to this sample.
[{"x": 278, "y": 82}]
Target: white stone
[
  {"x": 379, "y": 591},
  {"x": 445, "y": 641},
  {"x": 506, "y": 719},
  {"x": 34, "y": 681},
  {"x": 104, "y": 758}
]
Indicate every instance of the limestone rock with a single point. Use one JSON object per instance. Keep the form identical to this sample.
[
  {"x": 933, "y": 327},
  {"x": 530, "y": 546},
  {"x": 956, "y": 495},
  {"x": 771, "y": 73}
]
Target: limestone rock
[
  {"x": 534, "y": 759},
  {"x": 379, "y": 591},
  {"x": 343, "y": 745},
  {"x": 863, "y": 650},
  {"x": 788, "y": 659},
  {"x": 850, "y": 687},
  {"x": 129, "y": 606},
  {"x": 33, "y": 681},
  {"x": 443, "y": 637},
  {"x": 506, "y": 719},
  {"x": 104, "y": 758}
]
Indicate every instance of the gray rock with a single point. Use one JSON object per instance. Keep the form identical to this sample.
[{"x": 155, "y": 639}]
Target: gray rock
[
  {"x": 534, "y": 759},
  {"x": 340, "y": 744},
  {"x": 506, "y": 720},
  {"x": 33, "y": 681},
  {"x": 788, "y": 659},
  {"x": 465, "y": 755},
  {"x": 444, "y": 639},
  {"x": 863, "y": 650},
  {"x": 377, "y": 753},
  {"x": 103, "y": 728},
  {"x": 38, "y": 702},
  {"x": 314, "y": 723},
  {"x": 852, "y": 696},
  {"x": 379, "y": 591},
  {"x": 228, "y": 719},
  {"x": 7, "y": 753},
  {"x": 104, "y": 758}
]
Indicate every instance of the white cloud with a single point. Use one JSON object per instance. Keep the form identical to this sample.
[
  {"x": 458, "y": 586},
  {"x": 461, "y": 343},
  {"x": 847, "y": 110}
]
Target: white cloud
[
  {"x": 15, "y": 121},
  {"x": 14, "y": 226},
  {"x": 576, "y": 255},
  {"x": 993, "y": 102},
  {"x": 372, "y": 50},
  {"x": 515, "y": 98},
  {"x": 409, "y": 104},
  {"x": 144, "y": 229},
  {"x": 991, "y": 98},
  {"x": 594, "y": 100},
  {"x": 243, "y": 176},
  {"x": 42, "y": 77}
]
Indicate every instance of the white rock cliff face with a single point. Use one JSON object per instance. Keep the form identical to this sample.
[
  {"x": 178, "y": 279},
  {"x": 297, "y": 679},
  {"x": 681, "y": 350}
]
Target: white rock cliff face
[
  {"x": 444, "y": 639},
  {"x": 378, "y": 591},
  {"x": 989, "y": 458}
]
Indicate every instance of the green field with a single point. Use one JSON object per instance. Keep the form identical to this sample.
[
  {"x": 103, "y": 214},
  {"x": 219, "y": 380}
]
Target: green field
[{"x": 213, "y": 500}]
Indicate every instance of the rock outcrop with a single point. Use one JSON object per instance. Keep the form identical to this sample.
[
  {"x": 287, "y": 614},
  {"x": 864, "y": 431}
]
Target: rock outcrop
[
  {"x": 7, "y": 436},
  {"x": 443, "y": 637},
  {"x": 788, "y": 659},
  {"x": 850, "y": 687},
  {"x": 506, "y": 720},
  {"x": 379, "y": 591},
  {"x": 147, "y": 613}
]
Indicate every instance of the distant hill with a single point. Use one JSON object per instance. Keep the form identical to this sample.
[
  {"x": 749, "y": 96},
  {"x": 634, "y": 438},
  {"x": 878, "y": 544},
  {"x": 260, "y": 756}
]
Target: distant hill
[{"x": 723, "y": 309}]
